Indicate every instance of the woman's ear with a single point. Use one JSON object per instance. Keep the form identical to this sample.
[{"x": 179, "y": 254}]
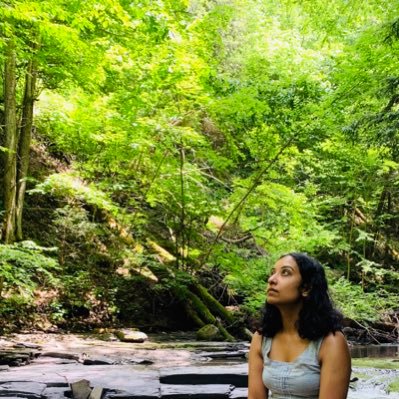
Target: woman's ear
[{"x": 305, "y": 291}]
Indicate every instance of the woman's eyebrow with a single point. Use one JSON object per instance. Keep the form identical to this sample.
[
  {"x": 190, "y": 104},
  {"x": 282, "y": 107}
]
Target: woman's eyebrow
[{"x": 287, "y": 267}]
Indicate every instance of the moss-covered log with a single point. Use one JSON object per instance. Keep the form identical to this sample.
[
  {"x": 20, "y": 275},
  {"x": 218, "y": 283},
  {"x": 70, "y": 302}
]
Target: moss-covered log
[
  {"x": 199, "y": 304},
  {"x": 192, "y": 314},
  {"x": 233, "y": 324},
  {"x": 214, "y": 305},
  {"x": 200, "y": 309}
]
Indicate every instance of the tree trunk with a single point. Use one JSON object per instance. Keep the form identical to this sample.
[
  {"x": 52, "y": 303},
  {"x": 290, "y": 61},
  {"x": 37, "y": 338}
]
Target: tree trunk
[
  {"x": 24, "y": 142},
  {"x": 214, "y": 306},
  {"x": 2, "y": 156},
  {"x": 10, "y": 143},
  {"x": 233, "y": 324},
  {"x": 199, "y": 312}
]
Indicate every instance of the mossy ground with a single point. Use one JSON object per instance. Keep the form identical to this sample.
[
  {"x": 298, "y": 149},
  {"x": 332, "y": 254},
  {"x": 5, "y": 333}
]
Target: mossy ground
[
  {"x": 394, "y": 385},
  {"x": 360, "y": 376},
  {"x": 378, "y": 363},
  {"x": 374, "y": 371}
]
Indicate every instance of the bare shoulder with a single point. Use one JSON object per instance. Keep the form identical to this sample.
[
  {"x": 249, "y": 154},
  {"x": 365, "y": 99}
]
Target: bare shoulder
[
  {"x": 334, "y": 344},
  {"x": 256, "y": 337},
  {"x": 335, "y": 367},
  {"x": 256, "y": 387},
  {"x": 334, "y": 340},
  {"x": 256, "y": 342}
]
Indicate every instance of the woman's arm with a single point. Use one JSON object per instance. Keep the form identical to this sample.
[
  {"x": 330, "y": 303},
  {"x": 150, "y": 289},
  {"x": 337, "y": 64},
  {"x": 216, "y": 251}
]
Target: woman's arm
[
  {"x": 335, "y": 364},
  {"x": 256, "y": 388}
]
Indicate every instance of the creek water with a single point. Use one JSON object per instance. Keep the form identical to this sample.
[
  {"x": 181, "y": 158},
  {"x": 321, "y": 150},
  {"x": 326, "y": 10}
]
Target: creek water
[{"x": 373, "y": 383}]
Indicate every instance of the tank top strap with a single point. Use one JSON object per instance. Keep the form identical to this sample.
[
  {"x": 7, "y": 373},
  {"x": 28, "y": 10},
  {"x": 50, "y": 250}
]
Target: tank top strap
[
  {"x": 312, "y": 351},
  {"x": 318, "y": 343},
  {"x": 266, "y": 344},
  {"x": 314, "y": 348}
]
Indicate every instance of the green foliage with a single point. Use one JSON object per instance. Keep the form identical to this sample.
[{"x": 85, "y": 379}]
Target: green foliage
[
  {"x": 25, "y": 266},
  {"x": 393, "y": 386},
  {"x": 67, "y": 185},
  {"x": 283, "y": 219},
  {"x": 360, "y": 305},
  {"x": 89, "y": 255},
  {"x": 376, "y": 363},
  {"x": 251, "y": 284},
  {"x": 26, "y": 270},
  {"x": 76, "y": 124},
  {"x": 278, "y": 117}
]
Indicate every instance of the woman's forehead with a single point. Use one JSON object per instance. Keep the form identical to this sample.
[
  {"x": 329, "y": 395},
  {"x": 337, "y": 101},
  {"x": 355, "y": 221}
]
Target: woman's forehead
[{"x": 287, "y": 261}]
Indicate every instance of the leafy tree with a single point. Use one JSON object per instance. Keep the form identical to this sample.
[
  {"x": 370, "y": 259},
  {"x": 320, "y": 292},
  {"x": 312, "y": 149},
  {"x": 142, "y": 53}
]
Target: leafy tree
[
  {"x": 215, "y": 134},
  {"x": 49, "y": 40}
]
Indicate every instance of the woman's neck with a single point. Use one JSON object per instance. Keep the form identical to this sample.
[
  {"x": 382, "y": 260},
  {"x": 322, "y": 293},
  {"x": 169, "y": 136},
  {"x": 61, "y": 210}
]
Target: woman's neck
[{"x": 289, "y": 318}]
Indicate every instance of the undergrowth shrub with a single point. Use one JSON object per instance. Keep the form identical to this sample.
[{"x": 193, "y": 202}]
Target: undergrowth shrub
[
  {"x": 359, "y": 305},
  {"x": 25, "y": 269}
]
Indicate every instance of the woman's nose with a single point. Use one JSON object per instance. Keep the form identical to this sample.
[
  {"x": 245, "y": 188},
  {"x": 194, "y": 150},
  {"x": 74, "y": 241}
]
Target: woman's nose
[{"x": 272, "y": 279}]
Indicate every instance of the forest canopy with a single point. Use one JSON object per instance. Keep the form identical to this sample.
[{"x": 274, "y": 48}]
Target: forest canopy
[{"x": 163, "y": 154}]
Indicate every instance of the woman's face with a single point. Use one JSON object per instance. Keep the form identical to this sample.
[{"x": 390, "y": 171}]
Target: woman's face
[{"x": 284, "y": 284}]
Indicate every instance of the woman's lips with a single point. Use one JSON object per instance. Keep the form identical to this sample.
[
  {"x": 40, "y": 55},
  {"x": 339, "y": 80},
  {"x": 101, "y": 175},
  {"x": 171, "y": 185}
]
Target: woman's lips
[{"x": 272, "y": 291}]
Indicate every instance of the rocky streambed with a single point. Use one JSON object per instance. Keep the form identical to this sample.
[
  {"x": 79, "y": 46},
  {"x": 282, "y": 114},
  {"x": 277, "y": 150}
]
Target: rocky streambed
[
  {"x": 56, "y": 366},
  {"x": 39, "y": 366}
]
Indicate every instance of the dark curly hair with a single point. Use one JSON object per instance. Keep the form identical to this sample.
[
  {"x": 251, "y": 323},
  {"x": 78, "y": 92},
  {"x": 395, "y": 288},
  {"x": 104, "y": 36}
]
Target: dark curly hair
[{"x": 318, "y": 317}]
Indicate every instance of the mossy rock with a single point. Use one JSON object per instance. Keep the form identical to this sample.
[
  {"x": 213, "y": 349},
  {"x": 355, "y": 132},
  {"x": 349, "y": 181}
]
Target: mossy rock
[
  {"x": 131, "y": 335},
  {"x": 209, "y": 333},
  {"x": 394, "y": 385}
]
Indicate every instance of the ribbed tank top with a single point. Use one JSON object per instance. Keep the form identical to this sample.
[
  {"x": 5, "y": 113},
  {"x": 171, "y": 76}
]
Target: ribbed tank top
[{"x": 292, "y": 380}]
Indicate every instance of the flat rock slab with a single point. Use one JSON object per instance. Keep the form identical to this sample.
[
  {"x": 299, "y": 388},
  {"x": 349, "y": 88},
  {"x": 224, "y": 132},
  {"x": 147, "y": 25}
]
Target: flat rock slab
[
  {"x": 90, "y": 361},
  {"x": 35, "y": 388},
  {"x": 17, "y": 357},
  {"x": 57, "y": 393},
  {"x": 10, "y": 397},
  {"x": 32, "y": 390},
  {"x": 239, "y": 393},
  {"x": 18, "y": 394},
  {"x": 224, "y": 355},
  {"x": 98, "y": 361},
  {"x": 126, "y": 395},
  {"x": 214, "y": 391},
  {"x": 236, "y": 375},
  {"x": 123, "y": 377},
  {"x": 126, "y": 378},
  {"x": 123, "y": 374},
  {"x": 26, "y": 345},
  {"x": 61, "y": 355}
]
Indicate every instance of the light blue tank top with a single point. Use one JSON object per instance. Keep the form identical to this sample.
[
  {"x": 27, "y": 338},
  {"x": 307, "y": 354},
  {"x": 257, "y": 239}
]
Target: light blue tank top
[{"x": 292, "y": 380}]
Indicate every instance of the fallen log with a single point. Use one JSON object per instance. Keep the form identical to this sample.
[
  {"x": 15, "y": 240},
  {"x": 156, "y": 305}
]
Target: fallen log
[
  {"x": 370, "y": 333},
  {"x": 201, "y": 312}
]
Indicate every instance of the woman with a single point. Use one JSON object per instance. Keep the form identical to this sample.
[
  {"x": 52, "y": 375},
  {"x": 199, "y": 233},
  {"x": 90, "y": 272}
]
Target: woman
[{"x": 300, "y": 351}]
